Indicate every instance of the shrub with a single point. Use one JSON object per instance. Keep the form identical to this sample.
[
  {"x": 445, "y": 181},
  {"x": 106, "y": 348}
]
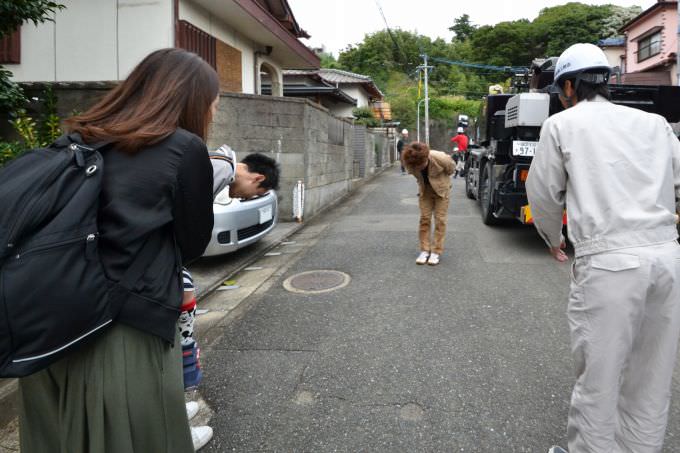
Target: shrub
[
  {"x": 364, "y": 115},
  {"x": 34, "y": 133}
]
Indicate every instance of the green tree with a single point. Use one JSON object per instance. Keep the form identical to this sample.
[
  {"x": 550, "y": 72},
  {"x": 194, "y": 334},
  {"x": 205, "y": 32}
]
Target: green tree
[
  {"x": 391, "y": 58},
  {"x": 385, "y": 51},
  {"x": 558, "y": 27},
  {"x": 504, "y": 44},
  {"x": 328, "y": 60},
  {"x": 12, "y": 14},
  {"x": 618, "y": 17},
  {"x": 462, "y": 28}
]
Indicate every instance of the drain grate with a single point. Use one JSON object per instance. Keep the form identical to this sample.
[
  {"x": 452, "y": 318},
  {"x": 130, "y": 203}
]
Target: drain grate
[{"x": 315, "y": 282}]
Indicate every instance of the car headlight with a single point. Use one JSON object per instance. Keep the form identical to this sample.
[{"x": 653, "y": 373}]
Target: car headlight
[{"x": 223, "y": 197}]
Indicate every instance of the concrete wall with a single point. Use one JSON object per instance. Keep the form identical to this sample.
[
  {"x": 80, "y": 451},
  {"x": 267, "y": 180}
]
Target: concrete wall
[
  {"x": 379, "y": 152},
  {"x": 93, "y": 40},
  {"x": 441, "y": 133},
  {"x": 310, "y": 144}
]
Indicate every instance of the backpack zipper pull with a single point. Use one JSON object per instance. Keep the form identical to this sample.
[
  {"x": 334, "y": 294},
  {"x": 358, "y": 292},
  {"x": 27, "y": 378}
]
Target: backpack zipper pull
[{"x": 91, "y": 246}]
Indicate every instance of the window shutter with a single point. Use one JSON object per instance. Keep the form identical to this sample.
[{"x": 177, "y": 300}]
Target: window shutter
[
  {"x": 195, "y": 40},
  {"x": 10, "y": 48}
]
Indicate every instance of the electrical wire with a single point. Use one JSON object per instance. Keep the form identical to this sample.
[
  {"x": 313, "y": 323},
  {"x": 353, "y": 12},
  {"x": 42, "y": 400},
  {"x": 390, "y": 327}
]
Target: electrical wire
[
  {"x": 389, "y": 31},
  {"x": 512, "y": 69}
]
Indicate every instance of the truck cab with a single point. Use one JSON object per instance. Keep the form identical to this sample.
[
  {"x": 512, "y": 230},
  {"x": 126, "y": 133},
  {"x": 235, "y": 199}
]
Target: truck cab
[{"x": 508, "y": 132}]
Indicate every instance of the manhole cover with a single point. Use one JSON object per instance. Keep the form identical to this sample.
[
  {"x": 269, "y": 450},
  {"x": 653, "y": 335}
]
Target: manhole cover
[
  {"x": 315, "y": 282},
  {"x": 411, "y": 412}
]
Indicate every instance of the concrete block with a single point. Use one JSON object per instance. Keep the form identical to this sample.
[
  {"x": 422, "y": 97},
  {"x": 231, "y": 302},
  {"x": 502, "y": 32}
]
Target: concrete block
[
  {"x": 253, "y": 145},
  {"x": 288, "y": 106},
  {"x": 226, "y": 116},
  {"x": 289, "y": 120},
  {"x": 292, "y": 145},
  {"x": 292, "y": 159}
]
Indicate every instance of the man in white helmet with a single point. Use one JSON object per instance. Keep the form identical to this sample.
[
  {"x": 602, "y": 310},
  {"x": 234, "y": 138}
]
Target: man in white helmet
[
  {"x": 617, "y": 171},
  {"x": 400, "y": 146}
]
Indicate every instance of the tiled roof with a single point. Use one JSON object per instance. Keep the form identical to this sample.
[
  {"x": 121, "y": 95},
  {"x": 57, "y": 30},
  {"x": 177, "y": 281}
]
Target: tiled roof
[
  {"x": 612, "y": 42},
  {"x": 336, "y": 76},
  {"x": 339, "y": 76}
]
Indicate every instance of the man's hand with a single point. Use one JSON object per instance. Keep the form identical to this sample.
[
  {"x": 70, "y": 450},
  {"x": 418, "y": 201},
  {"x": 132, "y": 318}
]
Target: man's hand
[{"x": 558, "y": 252}]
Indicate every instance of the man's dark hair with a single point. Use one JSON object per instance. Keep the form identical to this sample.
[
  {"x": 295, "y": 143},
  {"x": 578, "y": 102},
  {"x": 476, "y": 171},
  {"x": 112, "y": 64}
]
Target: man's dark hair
[
  {"x": 586, "y": 91},
  {"x": 266, "y": 166}
]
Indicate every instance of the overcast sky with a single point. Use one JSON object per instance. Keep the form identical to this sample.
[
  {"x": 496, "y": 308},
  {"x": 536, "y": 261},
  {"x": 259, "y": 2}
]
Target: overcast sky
[{"x": 338, "y": 23}]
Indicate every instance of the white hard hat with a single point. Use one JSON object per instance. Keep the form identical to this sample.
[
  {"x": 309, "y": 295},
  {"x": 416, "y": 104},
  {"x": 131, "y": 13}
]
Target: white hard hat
[
  {"x": 583, "y": 57},
  {"x": 460, "y": 130},
  {"x": 404, "y": 131}
]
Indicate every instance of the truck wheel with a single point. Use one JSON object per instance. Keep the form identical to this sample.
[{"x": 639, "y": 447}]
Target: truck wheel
[
  {"x": 469, "y": 192},
  {"x": 486, "y": 196}
]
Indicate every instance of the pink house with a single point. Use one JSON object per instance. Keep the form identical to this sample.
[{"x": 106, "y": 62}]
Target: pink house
[{"x": 651, "y": 46}]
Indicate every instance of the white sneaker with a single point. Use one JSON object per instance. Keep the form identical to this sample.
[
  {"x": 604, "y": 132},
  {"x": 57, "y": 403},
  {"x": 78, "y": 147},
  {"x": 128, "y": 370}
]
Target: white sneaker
[
  {"x": 192, "y": 409},
  {"x": 422, "y": 258},
  {"x": 201, "y": 435},
  {"x": 433, "y": 260}
]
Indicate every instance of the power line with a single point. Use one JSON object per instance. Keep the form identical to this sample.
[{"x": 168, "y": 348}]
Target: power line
[
  {"x": 513, "y": 69},
  {"x": 389, "y": 31}
]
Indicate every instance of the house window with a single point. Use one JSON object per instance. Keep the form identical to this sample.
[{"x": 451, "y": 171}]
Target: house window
[
  {"x": 195, "y": 40},
  {"x": 10, "y": 48},
  {"x": 649, "y": 46}
]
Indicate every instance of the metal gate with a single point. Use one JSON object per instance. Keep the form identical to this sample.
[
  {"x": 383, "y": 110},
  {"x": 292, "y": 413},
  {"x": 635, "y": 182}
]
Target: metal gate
[{"x": 359, "y": 148}]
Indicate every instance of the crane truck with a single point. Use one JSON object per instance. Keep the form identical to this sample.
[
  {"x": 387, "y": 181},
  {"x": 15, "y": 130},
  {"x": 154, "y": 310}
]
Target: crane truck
[{"x": 508, "y": 131}]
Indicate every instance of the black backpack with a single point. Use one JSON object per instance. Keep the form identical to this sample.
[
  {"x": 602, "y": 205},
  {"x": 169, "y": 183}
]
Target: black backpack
[{"x": 54, "y": 293}]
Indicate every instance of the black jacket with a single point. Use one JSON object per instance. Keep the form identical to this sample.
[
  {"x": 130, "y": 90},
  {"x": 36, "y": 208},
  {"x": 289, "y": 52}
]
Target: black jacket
[{"x": 165, "y": 190}]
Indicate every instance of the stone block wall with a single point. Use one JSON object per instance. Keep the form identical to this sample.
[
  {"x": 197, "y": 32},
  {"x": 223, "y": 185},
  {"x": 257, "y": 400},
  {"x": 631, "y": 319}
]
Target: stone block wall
[{"x": 309, "y": 143}]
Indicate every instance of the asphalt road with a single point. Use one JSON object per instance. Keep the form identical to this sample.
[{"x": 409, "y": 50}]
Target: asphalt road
[{"x": 470, "y": 355}]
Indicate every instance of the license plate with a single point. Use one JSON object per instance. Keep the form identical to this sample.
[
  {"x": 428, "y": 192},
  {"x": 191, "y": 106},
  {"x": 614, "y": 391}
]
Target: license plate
[
  {"x": 266, "y": 214},
  {"x": 523, "y": 149}
]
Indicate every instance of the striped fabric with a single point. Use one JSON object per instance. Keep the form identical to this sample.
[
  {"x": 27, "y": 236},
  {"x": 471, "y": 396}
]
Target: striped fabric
[{"x": 187, "y": 280}]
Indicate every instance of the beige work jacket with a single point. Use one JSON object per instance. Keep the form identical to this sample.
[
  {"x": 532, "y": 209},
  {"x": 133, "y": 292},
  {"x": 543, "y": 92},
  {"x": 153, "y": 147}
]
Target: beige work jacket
[{"x": 439, "y": 171}]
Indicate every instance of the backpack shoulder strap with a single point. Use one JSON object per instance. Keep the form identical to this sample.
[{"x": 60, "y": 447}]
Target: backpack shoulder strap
[{"x": 74, "y": 137}]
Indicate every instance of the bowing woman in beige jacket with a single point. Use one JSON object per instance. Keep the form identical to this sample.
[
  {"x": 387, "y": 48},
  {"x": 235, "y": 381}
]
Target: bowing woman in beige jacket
[{"x": 433, "y": 170}]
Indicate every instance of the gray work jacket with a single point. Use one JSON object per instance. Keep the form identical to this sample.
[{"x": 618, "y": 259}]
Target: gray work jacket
[{"x": 617, "y": 170}]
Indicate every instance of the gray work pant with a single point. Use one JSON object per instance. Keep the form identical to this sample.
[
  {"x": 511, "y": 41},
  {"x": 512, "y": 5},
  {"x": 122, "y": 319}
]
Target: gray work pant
[{"x": 624, "y": 318}]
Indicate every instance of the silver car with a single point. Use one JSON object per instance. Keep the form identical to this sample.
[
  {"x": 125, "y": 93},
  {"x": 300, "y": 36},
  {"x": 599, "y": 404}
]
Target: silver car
[{"x": 239, "y": 223}]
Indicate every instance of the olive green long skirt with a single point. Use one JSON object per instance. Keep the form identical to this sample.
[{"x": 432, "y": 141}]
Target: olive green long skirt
[{"x": 123, "y": 393}]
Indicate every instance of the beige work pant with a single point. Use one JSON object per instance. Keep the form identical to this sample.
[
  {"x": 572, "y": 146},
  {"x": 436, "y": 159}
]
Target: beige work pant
[
  {"x": 431, "y": 203},
  {"x": 624, "y": 317}
]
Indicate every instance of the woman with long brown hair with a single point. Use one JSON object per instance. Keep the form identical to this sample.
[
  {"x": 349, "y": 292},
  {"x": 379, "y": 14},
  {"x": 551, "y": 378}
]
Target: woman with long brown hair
[{"x": 123, "y": 391}]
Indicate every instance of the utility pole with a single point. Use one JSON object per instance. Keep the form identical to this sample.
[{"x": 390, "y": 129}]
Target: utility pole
[
  {"x": 418, "y": 119},
  {"x": 426, "y": 68}
]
